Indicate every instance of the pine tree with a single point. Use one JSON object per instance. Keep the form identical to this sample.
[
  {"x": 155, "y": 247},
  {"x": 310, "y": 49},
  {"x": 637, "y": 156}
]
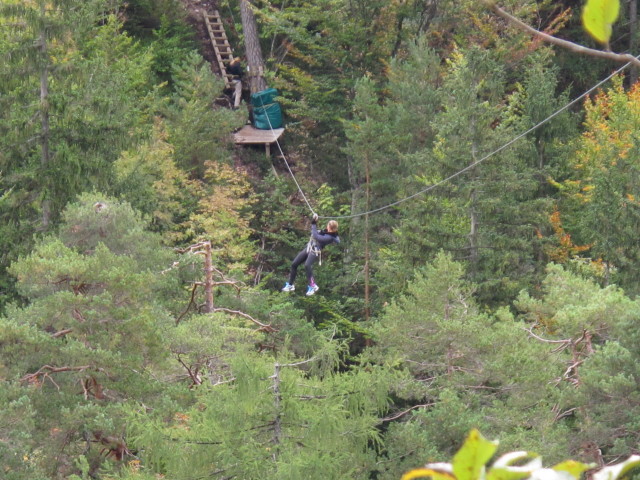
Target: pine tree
[
  {"x": 469, "y": 368},
  {"x": 271, "y": 418},
  {"x": 88, "y": 342},
  {"x": 95, "y": 81}
]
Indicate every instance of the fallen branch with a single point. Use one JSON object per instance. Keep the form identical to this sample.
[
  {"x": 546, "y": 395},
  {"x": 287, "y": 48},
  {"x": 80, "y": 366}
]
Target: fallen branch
[{"x": 573, "y": 47}]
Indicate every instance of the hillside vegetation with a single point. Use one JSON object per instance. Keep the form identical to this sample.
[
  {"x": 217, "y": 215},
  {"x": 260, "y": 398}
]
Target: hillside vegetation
[{"x": 487, "y": 274}]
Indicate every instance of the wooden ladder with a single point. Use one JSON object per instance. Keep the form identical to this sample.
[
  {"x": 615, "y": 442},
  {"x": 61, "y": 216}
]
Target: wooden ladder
[{"x": 220, "y": 43}]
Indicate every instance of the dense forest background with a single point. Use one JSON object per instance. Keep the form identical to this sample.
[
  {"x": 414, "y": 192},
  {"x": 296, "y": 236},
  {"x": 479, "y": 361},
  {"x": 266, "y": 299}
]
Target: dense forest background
[{"x": 143, "y": 333}]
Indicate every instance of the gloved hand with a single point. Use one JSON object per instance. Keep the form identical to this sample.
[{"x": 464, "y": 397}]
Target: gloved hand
[{"x": 314, "y": 219}]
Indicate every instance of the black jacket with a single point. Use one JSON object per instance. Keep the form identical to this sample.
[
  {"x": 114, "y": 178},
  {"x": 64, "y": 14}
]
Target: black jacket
[
  {"x": 323, "y": 238},
  {"x": 235, "y": 69}
]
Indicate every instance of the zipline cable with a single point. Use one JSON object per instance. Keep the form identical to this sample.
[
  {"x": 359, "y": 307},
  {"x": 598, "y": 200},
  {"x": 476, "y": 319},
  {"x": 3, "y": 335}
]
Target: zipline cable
[{"x": 454, "y": 175}]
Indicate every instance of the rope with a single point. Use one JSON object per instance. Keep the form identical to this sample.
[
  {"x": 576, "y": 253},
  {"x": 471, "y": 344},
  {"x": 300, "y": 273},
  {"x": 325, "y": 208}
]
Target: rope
[
  {"x": 284, "y": 157},
  {"x": 459, "y": 172}
]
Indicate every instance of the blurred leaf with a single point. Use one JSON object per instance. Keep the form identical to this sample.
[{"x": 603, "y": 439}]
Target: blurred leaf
[
  {"x": 470, "y": 460},
  {"x": 598, "y": 16}
]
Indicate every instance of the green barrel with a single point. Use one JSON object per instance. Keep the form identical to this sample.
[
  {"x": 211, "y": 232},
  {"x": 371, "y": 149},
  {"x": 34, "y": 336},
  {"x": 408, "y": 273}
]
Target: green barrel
[{"x": 266, "y": 111}]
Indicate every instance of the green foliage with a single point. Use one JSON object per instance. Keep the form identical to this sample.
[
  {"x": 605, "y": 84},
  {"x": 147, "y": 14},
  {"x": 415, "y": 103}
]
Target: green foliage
[
  {"x": 172, "y": 42},
  {"x": 198, "y": 132},
  {"x": 470, "y": 369},
  {"x": 74, "y": 106},
  {"x": 270, "y": 420},
  {"x": 223, "y": 216},
  {"x": 592, "y": 325},
  {"x": 105, "y": 356},
  {"x": 143, "y": 18},
  {"x": 152, "y": 182},
  {"x": 88, "y": 341},
  {"x": 602, "y": 191}
]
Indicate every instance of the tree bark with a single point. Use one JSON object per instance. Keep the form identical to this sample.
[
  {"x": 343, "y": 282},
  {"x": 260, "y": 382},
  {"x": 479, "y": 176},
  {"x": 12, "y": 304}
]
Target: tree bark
[
  {"x": 277, "y": 421},
  {"x": 633, "y": 42},
  {"x": 473, "y": 214},
  {"x": 367, "y": 306},
  {"x": 44, "y": 122},
  {"x": 255, "y": 62},
  {"x": 208, "y": 275}
]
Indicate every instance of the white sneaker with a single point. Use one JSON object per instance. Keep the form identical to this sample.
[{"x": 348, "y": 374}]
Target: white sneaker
[
  {"x": 288, "y": 288},
  {"x": 312, "y": 289}
]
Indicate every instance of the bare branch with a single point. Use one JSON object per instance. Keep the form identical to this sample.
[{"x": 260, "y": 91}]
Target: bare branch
[
  {"x": 403, "y": 413},
  {"x": 191, "y": 302},
  {"x": 195, "y": 377},
  {"x": 190, "y": 248},
  {"x": 573, "y": 47},
  {"x": 296, "y": 364},
  {"x": 61, "y": 333},
  {"x": 263, "y": 327},
  {"x": 530, "y": 331},
  {"x": 560, "y": 415},
  {"x": 172, "y": 267},
  {"x": 45, "y": 370}
]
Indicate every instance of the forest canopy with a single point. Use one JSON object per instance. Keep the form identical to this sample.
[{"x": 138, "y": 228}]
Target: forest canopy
[{"x": 485, "y": 183}]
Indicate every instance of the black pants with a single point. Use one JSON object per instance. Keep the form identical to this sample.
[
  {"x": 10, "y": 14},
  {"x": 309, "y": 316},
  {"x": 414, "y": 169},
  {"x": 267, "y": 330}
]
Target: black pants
[{"x": 308, "y": 258}]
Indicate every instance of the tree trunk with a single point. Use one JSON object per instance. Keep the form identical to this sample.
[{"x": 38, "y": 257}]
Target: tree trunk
[
  {"x": 633, "y": 31},
  {"x": 208, "y": 275},
  {"x": 473, "y": 230},
  {"x": 44, "y": 122},
  {"x": 367, "y": 308},
  {"x": 255, "y": 62},
  {"x": 277, "y": 422}
]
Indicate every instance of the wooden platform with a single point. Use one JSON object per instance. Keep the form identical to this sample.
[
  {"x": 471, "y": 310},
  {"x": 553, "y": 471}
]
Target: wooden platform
[{"x": 251, "y": 135}]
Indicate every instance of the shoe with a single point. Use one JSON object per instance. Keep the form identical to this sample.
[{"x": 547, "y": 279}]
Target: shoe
[
  {"x": 312, "y": 289},
  {"x": 288, "y": 288}
]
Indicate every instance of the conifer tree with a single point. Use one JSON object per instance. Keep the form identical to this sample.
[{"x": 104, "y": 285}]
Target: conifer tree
[
  {"x": 88, "y": 342},
  {"x": 272, "y": 418},
  {"x": 469, "y": 369},
  {"x": 93, "y": 83},
  {"x": 603, "y": 188}
]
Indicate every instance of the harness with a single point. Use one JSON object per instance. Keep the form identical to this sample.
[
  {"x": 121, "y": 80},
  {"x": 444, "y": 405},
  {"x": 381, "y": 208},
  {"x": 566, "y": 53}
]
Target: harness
[{"x": 313, "y": 247}]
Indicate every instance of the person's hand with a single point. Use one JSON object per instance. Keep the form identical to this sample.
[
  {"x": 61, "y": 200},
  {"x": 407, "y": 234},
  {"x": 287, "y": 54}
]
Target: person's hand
[{"x": 314, "y": 219}]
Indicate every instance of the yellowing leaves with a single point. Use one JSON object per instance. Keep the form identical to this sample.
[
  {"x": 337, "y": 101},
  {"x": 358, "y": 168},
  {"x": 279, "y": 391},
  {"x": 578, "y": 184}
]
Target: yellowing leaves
[
  {"x": 598, "y": 16},
  {"x": 563, "y": 247}
]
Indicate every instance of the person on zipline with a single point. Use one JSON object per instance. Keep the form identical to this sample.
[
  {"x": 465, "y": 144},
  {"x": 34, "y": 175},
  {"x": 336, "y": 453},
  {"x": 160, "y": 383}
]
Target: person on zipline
[{"x": 311, "y": 252}]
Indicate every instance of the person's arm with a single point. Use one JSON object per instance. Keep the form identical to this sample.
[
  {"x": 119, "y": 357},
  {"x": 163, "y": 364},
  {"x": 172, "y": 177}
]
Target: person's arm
[{"x": 322, "y": 238}]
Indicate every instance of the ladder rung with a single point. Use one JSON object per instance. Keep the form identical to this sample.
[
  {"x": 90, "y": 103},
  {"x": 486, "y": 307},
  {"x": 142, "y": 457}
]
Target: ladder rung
[{"x": 220, "y": 44}]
